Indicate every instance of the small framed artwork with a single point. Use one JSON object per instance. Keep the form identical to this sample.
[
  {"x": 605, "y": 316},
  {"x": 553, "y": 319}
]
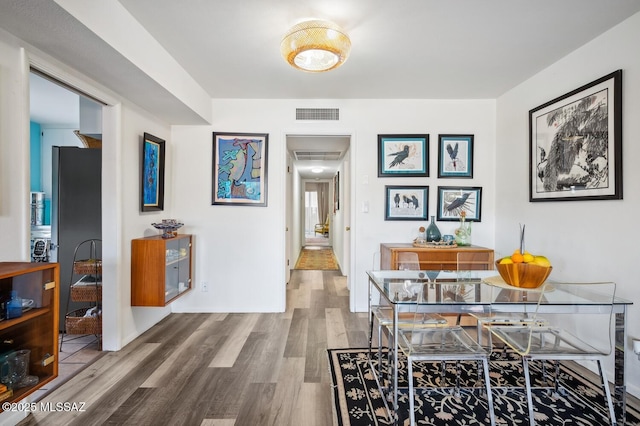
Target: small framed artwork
[
  {"x": 403, "y": 155},
  {"x": 455, "y": 156},
  {"x": 239, "y": 172},
  {"x": 575, "y": 144},
  {"x": 452, "y": 200},
  {"x": 406, "y": 202},
  {"x": 336, "y": 192},
  {"x": 152, "y": 179}
]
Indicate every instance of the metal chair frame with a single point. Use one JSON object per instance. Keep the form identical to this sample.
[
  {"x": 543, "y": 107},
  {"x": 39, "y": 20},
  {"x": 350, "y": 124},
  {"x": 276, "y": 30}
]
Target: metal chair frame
[{"x": 540, "y": 339}]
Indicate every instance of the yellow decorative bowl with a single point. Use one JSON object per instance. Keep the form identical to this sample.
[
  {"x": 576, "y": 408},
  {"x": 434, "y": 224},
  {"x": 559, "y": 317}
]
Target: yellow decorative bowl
[{"x": 524, "y": 275}]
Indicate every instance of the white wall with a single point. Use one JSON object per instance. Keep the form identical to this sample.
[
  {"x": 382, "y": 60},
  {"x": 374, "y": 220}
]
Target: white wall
[
  {"x": 240, "y": 250},
  {"x": 338, "y": 221},
  {"x": 122, "y": 220},
  {"x": 585, "y": 240},
  {"x": 14, "y": 157},
  {"x": 297, "y": 225},
  {"x": 136, "y": 224}
]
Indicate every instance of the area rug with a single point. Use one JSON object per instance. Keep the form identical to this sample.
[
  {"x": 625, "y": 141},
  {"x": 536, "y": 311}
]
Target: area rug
[
  {"x": 317, "y": 259},
  {"x": 316, "y": 241},
  {"x": 358, "y": 401}
]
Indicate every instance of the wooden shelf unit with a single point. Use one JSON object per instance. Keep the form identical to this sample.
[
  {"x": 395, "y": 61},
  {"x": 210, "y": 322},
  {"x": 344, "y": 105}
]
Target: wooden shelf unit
[
  {"x": 434, "y": 258},
  {"x": 161, "y": 269},
  {"x": 37, "y": 328}
]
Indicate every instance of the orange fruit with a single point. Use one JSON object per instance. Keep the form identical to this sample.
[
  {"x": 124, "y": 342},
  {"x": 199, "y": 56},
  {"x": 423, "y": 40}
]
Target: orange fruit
[{"x": 517, "y": 257}]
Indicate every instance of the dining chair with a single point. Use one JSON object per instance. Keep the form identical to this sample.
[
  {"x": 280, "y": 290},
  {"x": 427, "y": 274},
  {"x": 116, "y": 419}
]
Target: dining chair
[
  {"x": 441, "y": 344},
  {"x": 474, "y": 261},
  {"x": 383, "y": 314},
  {"x": 580, "y": 333},
  {"x": 467, "y": 261}
]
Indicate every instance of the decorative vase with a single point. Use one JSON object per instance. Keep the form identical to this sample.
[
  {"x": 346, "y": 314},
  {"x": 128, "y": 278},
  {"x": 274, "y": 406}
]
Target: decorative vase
[
  {"x": 421, "y": 239},
  {"x": 433, "y": 233},
  {"x": 463, "y": 233}
]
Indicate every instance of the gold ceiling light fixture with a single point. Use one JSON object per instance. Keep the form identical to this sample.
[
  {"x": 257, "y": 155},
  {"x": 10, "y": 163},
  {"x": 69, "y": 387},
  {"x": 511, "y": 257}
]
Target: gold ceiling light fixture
[{"x": 315, "y": 46}]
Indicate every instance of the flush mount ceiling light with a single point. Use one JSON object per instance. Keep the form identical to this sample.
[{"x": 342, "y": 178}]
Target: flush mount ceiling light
[
  {"x": 315, "y": 46},
  {"x": 317, "y": 170}
]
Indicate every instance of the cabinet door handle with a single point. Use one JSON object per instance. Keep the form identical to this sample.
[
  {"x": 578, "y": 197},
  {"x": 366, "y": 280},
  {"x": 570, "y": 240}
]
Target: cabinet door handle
[{"x": 47, "y": 360}]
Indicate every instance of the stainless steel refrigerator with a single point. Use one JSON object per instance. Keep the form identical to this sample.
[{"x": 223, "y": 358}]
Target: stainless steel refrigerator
[{"x": 75, "y": 211}]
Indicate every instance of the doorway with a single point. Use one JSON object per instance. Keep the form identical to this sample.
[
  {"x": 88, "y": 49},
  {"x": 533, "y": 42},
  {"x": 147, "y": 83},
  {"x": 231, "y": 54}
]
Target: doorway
[
  {"x": 316, "y": 214},
  {"x": 318, "y": 162},
  {"x": 65, "y": 177}
]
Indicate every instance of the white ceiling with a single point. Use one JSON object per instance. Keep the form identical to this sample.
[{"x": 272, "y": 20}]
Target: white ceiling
[
  {"x": 403, "y": 49},
  {"x": 50, "y": 103}
]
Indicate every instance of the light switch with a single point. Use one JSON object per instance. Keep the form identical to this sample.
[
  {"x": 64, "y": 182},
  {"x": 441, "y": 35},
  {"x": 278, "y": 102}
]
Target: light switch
[{"x": 365, "y": 207}]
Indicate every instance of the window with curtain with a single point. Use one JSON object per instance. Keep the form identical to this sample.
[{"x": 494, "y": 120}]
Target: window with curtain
[{"x": 316, "y": 204}]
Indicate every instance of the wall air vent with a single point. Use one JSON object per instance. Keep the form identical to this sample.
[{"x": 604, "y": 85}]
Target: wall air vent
[{"x": 317, "y": 114}]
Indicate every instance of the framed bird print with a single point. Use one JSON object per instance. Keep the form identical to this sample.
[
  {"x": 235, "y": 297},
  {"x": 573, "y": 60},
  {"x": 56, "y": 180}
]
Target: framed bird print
[
  {"x": 406, "y": 202},
  {"x": 403, "y": 155},
  {"x": 452, "y": 200},
  {"x": 455, "y": 156}
]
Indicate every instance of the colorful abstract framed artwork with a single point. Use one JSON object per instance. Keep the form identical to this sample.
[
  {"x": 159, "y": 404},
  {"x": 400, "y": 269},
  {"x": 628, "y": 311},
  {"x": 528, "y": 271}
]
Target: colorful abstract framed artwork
[
  {"x": 453, "y": 200},
  {"x": 239, "y": 169},
  {"x": 575, "y": 144},
  {"x": 455, "y": 156},
  {"x": 406, "y": 202},
  {"x": 403, "y": 155},
  {"x": 152, "y": 180}
]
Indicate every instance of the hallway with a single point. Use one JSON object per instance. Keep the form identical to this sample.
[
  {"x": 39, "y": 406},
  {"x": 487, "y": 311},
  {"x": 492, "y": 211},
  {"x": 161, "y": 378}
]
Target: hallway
[
  {"x": 223, "y": 369},
  {"x": 316, "y": 240}
]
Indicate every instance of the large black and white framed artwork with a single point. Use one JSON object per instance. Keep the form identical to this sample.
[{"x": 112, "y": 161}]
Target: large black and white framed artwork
[{"x": 575, "y": 144}]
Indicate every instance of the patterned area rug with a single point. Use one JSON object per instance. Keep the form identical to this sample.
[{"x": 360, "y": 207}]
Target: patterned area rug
[
  {"x": 317, "y": 259},
  {"x": 358, "y": 401}
]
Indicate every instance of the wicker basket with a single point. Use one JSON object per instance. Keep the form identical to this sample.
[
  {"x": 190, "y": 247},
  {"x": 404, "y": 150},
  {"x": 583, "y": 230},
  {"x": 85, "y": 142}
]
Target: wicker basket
[
  {"x": 88, "y": 266},
  {"x": 76, "y": 323},
  {"x": 86, "y": 293}
]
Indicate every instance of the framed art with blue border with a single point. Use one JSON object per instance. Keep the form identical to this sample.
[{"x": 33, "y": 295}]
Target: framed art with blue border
[
  {"x": 240, "y": 169},
  {"x": 406, "y": 202},
  {"x": 152, "y": 179},
  {"x": 455, "y": 156},
  {"x": 452, "y": 200},
  {"x": 403, "y": 155}
]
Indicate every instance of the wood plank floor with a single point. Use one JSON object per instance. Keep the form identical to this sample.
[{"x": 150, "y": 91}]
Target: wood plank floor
[{"x": 223, "y": 369}]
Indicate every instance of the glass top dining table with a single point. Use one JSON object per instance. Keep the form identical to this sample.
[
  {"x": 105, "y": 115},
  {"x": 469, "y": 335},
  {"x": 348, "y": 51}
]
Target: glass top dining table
[{"x": 469, "y": 292}]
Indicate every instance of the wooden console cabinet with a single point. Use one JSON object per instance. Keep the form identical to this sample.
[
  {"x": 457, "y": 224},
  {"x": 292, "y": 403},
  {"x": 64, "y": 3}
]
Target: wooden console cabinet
[
  {"x": 160, "y": 269},
  {"x": 37, "y": 328},
  {"x": 432, "y": 258}
]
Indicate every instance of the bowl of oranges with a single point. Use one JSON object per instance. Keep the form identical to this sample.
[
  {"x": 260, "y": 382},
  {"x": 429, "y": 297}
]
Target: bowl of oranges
[{"x": 524, "y": 270}]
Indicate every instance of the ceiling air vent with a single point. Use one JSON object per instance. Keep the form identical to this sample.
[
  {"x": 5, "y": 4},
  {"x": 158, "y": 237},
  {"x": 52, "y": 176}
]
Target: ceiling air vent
[
  {"x": 317, "y": 114},
  {"x": 318, "y": 155}
]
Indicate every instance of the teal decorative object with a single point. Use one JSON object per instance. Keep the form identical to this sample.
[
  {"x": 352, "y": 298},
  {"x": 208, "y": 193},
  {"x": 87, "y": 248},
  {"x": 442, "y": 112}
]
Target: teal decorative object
[{"x": 433, "y": 233}]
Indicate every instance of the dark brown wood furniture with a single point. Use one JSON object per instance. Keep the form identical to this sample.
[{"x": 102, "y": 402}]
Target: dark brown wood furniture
[{"x": 160, "y": 269}]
